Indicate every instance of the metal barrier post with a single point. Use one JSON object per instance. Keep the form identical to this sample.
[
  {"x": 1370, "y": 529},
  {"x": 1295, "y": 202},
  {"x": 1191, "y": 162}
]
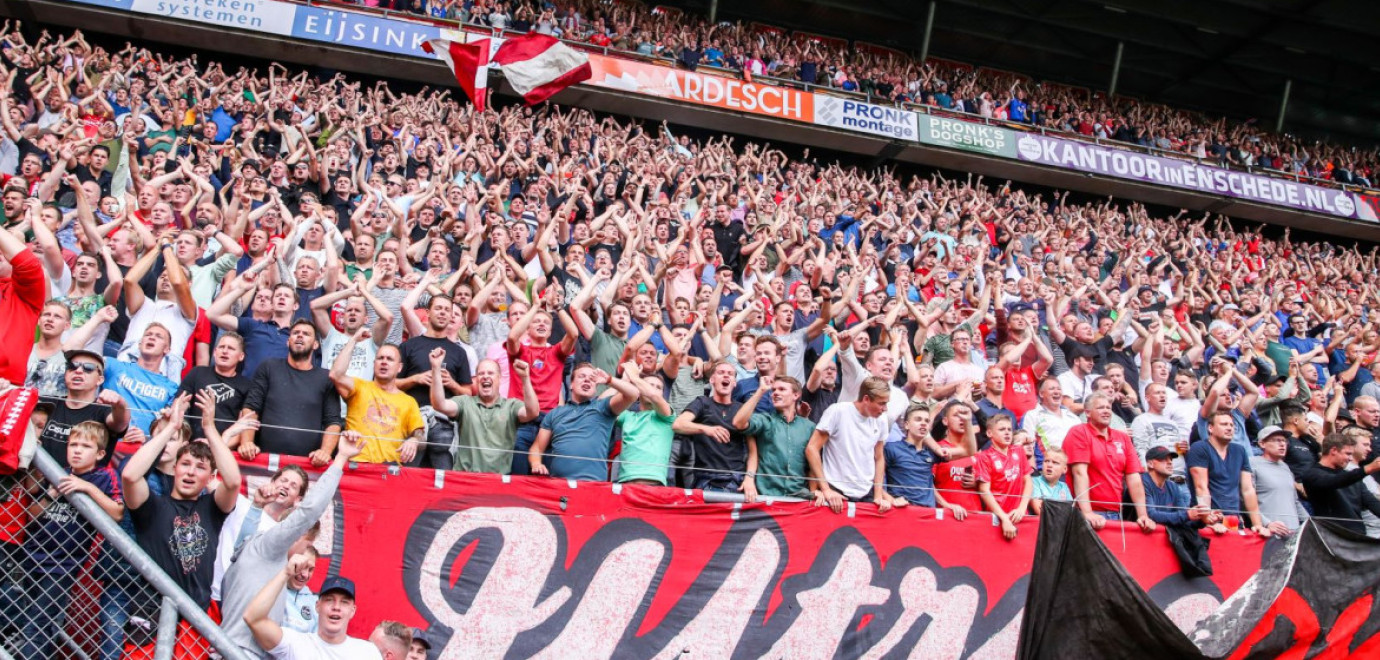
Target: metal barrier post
[
  {"x": 141, "y": 562},
  {"x": 167, "y": 631}
]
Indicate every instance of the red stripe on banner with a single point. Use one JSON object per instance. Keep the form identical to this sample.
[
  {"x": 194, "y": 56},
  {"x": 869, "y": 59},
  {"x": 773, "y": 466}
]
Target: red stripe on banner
[
  {"x": 543, "y": 92},
  {"x": 526, "y": 47}
]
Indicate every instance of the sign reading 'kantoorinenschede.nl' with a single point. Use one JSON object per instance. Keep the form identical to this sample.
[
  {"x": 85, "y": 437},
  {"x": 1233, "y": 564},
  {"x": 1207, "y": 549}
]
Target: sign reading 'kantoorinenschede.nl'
[{"x": 1184, "y": 174}]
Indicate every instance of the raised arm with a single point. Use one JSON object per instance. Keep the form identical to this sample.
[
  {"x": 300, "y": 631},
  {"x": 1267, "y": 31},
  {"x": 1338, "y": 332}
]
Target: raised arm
[{"x": 440, "y": 401}]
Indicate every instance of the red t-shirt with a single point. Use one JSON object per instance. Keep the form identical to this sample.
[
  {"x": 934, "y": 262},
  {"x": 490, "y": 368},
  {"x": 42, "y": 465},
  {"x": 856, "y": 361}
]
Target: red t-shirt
[
  {"x": 547, "y": 365},
  {"x": 1005, "y": 472},
  {"x": 948, "y": 480},
  {"x": 21, "y": 299},
  {"x": 14, "y": 514},
  {"x": 201, "y": 334},
  {"x": 1109, "y": 458},
  {"x": 1020, "y": 395}
]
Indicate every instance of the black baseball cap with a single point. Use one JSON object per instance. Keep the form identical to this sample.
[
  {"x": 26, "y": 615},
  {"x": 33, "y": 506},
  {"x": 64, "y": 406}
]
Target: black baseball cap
[
  {"x": 1160, "y": 453},
  {"x": 337, "y": 583},
  {"x": 420, "y": 637}
]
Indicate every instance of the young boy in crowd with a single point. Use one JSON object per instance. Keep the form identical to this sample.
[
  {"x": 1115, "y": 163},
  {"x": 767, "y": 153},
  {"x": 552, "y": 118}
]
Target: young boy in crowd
[
  {"x": 59, "y": 539},
  {"x": 1051, "y": 485},
  {"x": 1002, "y": 471}
]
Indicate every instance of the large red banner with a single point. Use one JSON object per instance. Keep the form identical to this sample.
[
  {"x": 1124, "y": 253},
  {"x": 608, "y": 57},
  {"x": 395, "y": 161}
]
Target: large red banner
[{"x": 494, "y": 567}]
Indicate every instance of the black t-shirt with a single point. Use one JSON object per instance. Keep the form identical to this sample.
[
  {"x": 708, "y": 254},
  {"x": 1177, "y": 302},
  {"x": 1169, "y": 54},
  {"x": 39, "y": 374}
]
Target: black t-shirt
[
  {"x": 289, "y": 399},
  {"x": 60, "y": 423},
  {"x": 729, "y": 238},
  {"x": 182, "y": 537},
  {"x": 229, "y": 392},
  {"x": 1302, "y": 454},
  {"x": 416, "y": 358},
  {"x": 1097, "y": 349},
  {"x": 818, "y": 401},
  {"x": 719, "y": 465}
]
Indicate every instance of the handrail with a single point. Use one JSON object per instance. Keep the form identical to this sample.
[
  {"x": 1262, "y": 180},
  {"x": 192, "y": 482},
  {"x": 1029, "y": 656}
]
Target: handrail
[
  {"x": 864, "y": 96},
  {"x": 141, "y": 562}
]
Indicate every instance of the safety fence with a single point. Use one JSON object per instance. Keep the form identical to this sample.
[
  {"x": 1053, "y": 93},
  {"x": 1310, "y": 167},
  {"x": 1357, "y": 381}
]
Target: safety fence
[{"x": 75, "y": 585}]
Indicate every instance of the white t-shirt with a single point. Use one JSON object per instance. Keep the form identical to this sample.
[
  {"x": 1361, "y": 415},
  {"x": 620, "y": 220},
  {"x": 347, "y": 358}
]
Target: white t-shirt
[
  {"x": 1183, "y": 412},
  {"x": 301, "y": 646},
  {"x": 165, "y": 312},
  {"x": 1074, "y": 387},
  {"x": 230, "y": 533},
  {"x": 954, "y": 371},
  {"x": 849, "y": 462}
]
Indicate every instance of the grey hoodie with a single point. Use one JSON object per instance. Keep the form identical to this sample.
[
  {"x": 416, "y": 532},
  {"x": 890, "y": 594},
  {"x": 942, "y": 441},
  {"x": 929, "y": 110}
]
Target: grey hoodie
[{"x": 264, "y": 556}]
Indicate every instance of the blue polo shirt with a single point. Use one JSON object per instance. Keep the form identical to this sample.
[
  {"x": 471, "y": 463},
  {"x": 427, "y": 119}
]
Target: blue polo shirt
[
  {"x": 746, "y": 387},
  {"x": 263, "y": 341},
  {"x": 910, "y": 472},
  {"x": 583, "y": 433},
  {"x": 1224, "y": 474}
]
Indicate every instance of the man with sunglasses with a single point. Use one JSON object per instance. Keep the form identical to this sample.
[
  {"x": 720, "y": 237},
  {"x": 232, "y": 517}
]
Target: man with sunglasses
[{"x": 85, "y": 402}]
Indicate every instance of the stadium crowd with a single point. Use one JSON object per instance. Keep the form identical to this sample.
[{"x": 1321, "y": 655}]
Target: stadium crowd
[
  {"x": 203, "y": 263},
  {"x": 888, "y": 75}
]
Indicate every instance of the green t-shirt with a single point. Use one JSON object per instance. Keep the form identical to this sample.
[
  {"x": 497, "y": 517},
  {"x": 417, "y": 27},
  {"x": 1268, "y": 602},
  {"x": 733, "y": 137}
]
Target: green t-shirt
[
  {"x": 605, "y": 349},
  {"x": 781, "y": 453},
  {"x": 1280, "y": 355},
  {"x": 487, "y": 435},
  {"x": 646, "y": 451},
  {"x": 940, "y": 349}
]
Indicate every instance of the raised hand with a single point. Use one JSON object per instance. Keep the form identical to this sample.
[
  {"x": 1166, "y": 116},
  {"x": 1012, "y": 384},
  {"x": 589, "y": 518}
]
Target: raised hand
[{"x": 437, "y": 357}]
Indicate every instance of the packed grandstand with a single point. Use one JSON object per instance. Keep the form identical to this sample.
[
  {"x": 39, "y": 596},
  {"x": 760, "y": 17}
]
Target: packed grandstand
[{"x": 208, "y": 267}]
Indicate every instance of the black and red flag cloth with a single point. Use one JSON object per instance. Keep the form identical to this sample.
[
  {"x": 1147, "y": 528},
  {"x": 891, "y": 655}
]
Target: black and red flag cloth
[{"x": 1314, "y": 597}]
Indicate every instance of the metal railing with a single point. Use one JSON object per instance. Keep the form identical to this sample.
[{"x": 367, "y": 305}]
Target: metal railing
[{"x": 74, "y": 584}]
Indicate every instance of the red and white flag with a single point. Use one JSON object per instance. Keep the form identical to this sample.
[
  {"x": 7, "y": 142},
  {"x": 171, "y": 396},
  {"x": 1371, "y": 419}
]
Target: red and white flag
[
  {"x": 539, "y": 65},
  {"x": 469, "y": 62}
]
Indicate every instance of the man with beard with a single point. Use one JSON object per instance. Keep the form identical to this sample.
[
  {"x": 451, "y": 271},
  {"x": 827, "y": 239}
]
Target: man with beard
[
  {"x": 292, "y": 398},
  {"x": 488, "y": 422},
  {"x": 417, "y": 374},
  {"x": 390, "y": 421}
]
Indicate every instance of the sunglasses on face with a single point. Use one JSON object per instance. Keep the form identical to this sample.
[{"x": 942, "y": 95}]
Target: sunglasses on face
[{"x": 86, "y": 367}]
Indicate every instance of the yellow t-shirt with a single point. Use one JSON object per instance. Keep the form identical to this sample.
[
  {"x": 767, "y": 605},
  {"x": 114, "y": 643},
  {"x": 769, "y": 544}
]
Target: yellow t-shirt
[{"x": 378, "y": 414}]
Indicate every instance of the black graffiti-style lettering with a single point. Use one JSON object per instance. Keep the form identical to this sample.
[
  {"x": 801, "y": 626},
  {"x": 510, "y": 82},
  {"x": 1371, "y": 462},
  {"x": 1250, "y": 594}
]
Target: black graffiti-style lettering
[{"x": 492, "y": 582}]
